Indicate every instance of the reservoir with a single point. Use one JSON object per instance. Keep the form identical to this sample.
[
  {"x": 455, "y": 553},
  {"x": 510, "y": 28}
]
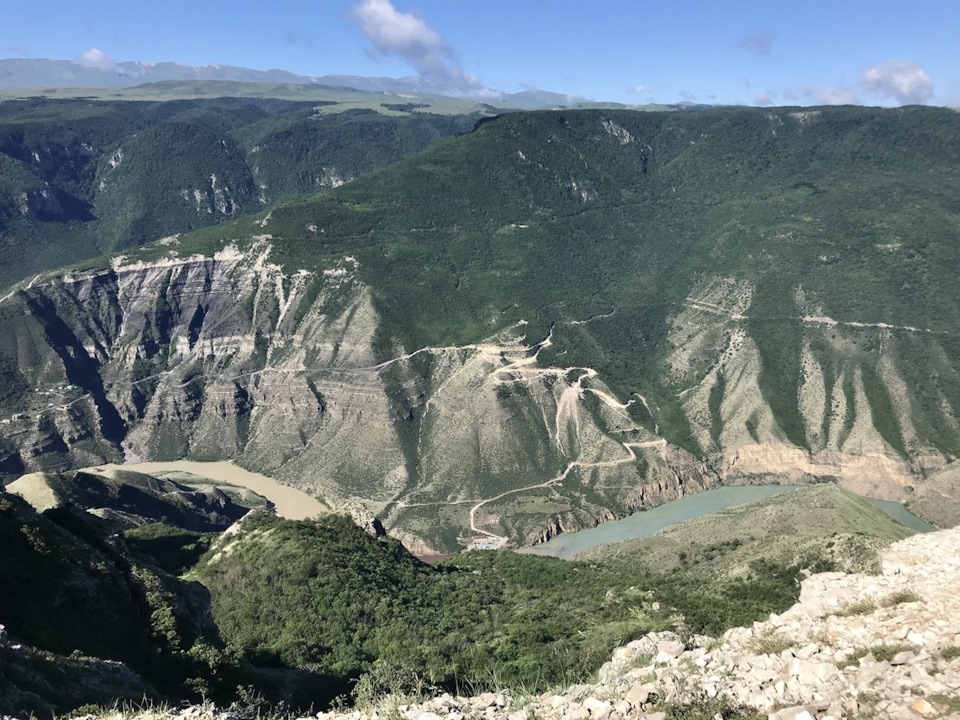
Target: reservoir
[
  {"x": 646, "y": 523},
  {"x": 903, "y": 516}
]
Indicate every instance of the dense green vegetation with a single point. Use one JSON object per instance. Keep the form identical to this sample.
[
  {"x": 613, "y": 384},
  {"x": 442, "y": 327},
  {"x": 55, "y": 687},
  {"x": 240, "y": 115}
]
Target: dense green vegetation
[
  {"x": 328, "y": 603},
  {"x": 322, "y": 595},
  {"x": 80, "y": 177},
  {"x": 69, "y": 585},
  {"x": 171, "y": 548}
]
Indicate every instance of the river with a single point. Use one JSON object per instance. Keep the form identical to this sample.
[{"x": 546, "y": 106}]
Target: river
[
  {"x": 290, "y": 503},
  {"x": 646, "y": 523},
  {"x": 295, "y": 504}
]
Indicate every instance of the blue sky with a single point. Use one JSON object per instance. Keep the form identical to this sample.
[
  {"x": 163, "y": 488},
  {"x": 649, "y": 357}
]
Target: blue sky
[{"x": 876, "y": 52}]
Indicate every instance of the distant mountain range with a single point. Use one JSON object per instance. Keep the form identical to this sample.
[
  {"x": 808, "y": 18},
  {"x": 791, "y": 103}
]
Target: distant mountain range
[{"x": 22, "y": 73}]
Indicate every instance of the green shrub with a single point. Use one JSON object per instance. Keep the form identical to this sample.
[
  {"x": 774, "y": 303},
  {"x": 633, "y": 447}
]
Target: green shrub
[
  {"x": 771, "y": 642},
  {"x": 950, "y": 653},
  {"x": 900, "y": 597},
  {"x": 857, "y": 607},
  {"x": 886, "y": 653}
]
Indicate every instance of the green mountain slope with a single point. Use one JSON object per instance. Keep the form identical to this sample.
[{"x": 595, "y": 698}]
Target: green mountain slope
[
  {"x": 557, "y": 318},
  {"x": 91, "y": 606},
  {"x": 306, "y": 611},
  {"x": 69, "y": 585},
  {"x": 80, "y": 177},
  {"x": 320, "y": 594}
]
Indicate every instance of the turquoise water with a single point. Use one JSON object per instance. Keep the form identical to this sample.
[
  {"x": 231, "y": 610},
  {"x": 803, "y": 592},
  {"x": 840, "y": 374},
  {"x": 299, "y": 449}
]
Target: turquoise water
[
  {"x": 899, "y": 513},
  {"x": 645, "y": 523}
]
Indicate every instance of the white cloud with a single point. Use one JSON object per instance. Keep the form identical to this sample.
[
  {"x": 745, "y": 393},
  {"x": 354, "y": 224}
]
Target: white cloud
[
  {"x": 96, "y": 58},
  {"x": 764, "y": 98},
  {"x": 407, "y": 36},
  {"x": 905, "y": 81},
  {"x": 830, "y": 95},
  {"x": 760, "y": 43},
  {"x": 641, "y": 89}
]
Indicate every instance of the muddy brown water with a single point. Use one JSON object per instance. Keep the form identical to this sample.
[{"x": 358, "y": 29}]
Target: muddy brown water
[{"x": 291, "y": 503}]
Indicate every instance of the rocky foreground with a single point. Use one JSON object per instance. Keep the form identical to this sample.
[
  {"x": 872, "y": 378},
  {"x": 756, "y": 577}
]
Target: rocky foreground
[{"x": 884, "y": 646}]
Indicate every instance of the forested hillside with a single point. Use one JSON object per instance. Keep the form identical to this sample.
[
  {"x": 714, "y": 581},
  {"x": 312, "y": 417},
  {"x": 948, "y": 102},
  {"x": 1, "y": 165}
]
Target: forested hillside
[
  {"x": 550, "y": 320},
  {"x": 323, "y": 595},
  {"x": 83, "y": 177}
]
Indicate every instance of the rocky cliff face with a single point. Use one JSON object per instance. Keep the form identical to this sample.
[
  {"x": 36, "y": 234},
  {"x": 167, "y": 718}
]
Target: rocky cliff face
[
  {"x": 230, "y": 357},
  {"x": 855, "y": 645}
]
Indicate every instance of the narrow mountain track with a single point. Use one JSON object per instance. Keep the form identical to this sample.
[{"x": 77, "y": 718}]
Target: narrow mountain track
[
  {"x": 14, "y": 292},
  {"x": 631, "y": 457},
  {"x": 713, "y": 309}
]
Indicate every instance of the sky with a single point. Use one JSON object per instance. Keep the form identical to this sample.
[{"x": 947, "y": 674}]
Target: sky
[{"x": 752, "y": 52}]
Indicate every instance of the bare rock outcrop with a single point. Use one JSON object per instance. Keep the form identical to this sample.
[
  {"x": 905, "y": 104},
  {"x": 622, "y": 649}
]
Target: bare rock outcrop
[{"x": 883, "y": 645}]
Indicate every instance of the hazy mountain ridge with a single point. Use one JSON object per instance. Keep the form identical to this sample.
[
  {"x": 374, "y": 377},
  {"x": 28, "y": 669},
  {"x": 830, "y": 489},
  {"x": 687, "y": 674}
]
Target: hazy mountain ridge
[
  {"x": 27, "y": 73},
  {"x": 594, "y": 312}
]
